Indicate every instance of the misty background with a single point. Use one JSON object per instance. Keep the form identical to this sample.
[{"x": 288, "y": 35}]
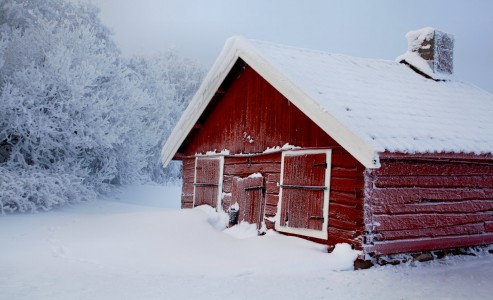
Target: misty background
[{"x": 375, "y": 29}]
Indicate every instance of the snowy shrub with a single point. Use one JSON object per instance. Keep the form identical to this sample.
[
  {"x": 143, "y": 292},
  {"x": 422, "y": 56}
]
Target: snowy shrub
[
  {"x": 30, "y": 189},
  {"x": 74, "y": 115}
]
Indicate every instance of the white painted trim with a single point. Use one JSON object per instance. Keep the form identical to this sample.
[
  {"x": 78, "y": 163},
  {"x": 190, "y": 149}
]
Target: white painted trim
[
  {"x": 219, "y": 181},
  {"x": 320, "y": 234},
  {"x": 241, "y": 48}
]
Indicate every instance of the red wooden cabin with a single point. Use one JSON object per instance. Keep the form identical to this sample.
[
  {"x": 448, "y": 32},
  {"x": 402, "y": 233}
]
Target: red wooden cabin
[{"x": 386, "y": 156}]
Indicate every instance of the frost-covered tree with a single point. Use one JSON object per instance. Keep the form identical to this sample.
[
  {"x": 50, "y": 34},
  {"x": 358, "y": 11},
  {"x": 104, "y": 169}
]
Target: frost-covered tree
[
  {"x": 75, "y": 117},
  {"x": 170, "y": 81}
]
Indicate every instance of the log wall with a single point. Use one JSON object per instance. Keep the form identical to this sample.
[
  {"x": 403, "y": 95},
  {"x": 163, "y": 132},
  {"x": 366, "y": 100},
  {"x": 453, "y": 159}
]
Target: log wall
[{"x": 428, "y": 203}]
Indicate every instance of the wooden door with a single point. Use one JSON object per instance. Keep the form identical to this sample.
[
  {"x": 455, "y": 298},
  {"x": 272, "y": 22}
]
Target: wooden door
[
  {"x": 249, "y": 194},
  {"x": 207, "y": 181},
  {"x": 304, "y": 191}
]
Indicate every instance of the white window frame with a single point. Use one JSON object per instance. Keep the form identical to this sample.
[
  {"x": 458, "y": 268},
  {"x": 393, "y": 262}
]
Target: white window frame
[
  {"x": 220, "y": 179},
  {"x": 319, "y": 234}
]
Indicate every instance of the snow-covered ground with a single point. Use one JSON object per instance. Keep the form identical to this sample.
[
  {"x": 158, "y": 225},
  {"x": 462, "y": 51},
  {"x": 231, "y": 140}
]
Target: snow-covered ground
[{"x": 139, "y": 245}]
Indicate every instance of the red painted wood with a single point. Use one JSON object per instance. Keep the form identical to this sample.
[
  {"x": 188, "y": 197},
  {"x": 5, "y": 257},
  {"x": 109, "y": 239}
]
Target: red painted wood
[
  {"x": 347, "y": 213},
  {"x": 345, "y": 198},
  {"x": 272, "y": 187},
  {"x": 253, "y": 159},
  {"x": 347, "y": 185},
  {"x": 271, "y": 199},
  {"x": 186, "y": 205},
  {"x": 187, "y": 189},
  {"x": 488, "y": 226},
  {"x": 274, "y": 177},
  {"x": 343, "y": 225},
  {"x": 477, "y": 181},
  {"x": 247, "y": 170},
  {"x": 393, "y": 196},
  {"x": 303, "y": 208},
  {"x": 251, "y": 201},
  {"x": 414, "y": 221},
  {"x": 251, "y": 107},
  {"x": 227, "y": 183},
  {"x": 419, "y": 203},
  {"x": 476, "y": 228},
  {"x": 344, "y": 160},
  {"x": 270, "y": 210},
  {"x": 207, "y": 172},
  {"x": 426, "y": 244},
  {"x": 433, "y": 207},
  {"x": 186, "y": 200},
  {"x": 344, "y": 172},
  {"x": 388, "y": 156},
  {"x": 434, "y": 168}
]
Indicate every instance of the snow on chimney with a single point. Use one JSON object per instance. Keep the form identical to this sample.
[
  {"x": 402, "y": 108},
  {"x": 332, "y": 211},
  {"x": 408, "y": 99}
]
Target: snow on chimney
[{"x": 430, "y": 52}]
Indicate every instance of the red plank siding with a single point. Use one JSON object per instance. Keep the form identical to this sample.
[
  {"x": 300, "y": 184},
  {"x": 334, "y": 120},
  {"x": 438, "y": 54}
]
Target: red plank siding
[
  {"x": 428, "y": 203},
  {"x": 426, "y": 244},
  {"x": 251, "y": 107}
]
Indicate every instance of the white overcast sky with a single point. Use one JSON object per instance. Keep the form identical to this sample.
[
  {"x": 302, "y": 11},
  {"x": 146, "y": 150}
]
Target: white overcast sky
[{"x": 197, "y": 29}]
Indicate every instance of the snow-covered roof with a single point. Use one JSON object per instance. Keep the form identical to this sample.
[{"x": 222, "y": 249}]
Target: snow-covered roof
[{"x": 368, "y": 106}]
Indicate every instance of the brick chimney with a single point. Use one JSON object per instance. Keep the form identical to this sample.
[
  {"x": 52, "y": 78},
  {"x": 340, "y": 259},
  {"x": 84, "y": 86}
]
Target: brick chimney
[{"x": 434, "y": 47}]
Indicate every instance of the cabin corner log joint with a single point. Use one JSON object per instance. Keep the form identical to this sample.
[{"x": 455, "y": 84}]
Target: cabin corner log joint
[{"x": 266, "y": 135}]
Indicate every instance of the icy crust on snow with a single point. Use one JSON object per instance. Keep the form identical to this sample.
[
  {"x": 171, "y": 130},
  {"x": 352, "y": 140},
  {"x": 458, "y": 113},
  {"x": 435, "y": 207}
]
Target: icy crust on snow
[{"x": 387, "y": 104}]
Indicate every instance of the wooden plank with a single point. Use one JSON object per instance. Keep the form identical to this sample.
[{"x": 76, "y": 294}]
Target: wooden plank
[
  {"x": 187, "y": 205},
  {"x": 467, "y": 206},
  {"x": 344, "y": 198},
  {"x": 414, "y": 195},
  {"x": 187, "y": 188},
  {"x": 344, "y": 224},
  {"x": 271, "y": 199},
  {"x": 273, "y": 177},
  {"x": 415, "y": 221},
  {"x": 436, "y": 156},
  {"x": 270, "y": 210},
  {"x": 244, "y": 170},
  {"x": 227, "y": 183},
  {"x": 186, "y": 199},
  {"x": 271, "y": 187},
  {"x": 253, "y": 159},
  {"x": 343, "y": 160},
  {"x": 341, "y": 172},
  {"x": 473, "y": 181},
  {"x": 337, "y": 235},
  {"x": 189, "y": 163},
  {"x": 345, "y": 213},
  {"x": 464, "y": 229},
  {"x": 413, "y": 245},
  {"x": 348, "y": 185},
  {"x": 488, "y": 226},
  {"x": 433, "y": 168},
  {"x": 188, "y": 175}
]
